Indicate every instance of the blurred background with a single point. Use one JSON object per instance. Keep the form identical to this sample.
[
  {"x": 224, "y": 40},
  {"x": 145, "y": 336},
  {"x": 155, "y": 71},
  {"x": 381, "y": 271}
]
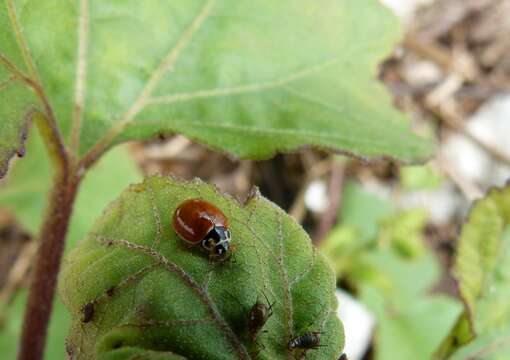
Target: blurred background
[{"x": 382, "y": 224}]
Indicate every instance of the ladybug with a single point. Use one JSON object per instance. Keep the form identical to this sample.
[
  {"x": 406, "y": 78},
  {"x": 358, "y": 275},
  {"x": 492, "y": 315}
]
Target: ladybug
[{"x": 197, "y": 221}]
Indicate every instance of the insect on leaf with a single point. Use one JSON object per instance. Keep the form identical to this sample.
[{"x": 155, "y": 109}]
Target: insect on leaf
[{"x": 133, "y": 283}]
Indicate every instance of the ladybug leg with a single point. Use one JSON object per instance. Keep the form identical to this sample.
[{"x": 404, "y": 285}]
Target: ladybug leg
[
  {"x": 228, "y": 257},
  {"x": 213, "y": 265}
]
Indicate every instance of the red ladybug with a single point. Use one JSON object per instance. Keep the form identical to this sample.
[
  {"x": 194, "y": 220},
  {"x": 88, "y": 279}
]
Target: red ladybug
[{"x": 200, "y": 222}]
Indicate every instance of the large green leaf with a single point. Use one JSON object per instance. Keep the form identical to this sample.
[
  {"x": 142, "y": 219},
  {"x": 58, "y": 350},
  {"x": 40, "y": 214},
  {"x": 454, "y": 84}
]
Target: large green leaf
[
  {"x": 482, "y": 269},
  {"x": 150, "y": 291},
  {"x": 24, "y": 192},
  {"x": 246, "y": 77}
]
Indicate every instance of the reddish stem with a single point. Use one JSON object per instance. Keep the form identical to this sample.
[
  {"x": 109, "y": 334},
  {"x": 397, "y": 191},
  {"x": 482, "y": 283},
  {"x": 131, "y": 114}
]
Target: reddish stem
[{"x": 42, "y": 289}]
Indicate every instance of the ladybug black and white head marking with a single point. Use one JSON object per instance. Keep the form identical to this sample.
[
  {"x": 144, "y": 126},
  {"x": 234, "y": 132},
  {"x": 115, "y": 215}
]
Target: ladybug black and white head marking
[{"x": 217, "y": 241}]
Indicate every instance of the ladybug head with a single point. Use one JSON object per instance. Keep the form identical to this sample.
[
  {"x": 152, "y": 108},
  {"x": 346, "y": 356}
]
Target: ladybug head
[{"x": 217, "y": 241}]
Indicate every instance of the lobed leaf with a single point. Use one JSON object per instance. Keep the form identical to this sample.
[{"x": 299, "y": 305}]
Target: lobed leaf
[
  {"x": 249, "y": 78},
  {"x": 147, "y": 290}
]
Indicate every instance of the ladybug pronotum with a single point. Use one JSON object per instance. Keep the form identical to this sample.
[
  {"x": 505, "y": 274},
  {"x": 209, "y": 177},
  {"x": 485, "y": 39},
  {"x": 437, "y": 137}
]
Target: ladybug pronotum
[{"x": 200, "y": 222}]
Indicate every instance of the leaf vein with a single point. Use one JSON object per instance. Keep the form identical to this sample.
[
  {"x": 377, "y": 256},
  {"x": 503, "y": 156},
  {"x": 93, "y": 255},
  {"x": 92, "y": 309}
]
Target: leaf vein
[
  {"x": 81, "y": 73},
  {"x": 243, "y": 89},
  {"x": 164, "y": 66}
]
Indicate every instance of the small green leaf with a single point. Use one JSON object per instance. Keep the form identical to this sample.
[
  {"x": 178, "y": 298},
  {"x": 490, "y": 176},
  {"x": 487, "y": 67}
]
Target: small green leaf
[
  {"x": 148, "y": 290},
  {"x": 413, "y": 331},
  {"x": 482, "y": 263},
  {"x": 482, "y": 269},
  {"x": 250, "y": 78},
  {"x": 411, "y": 323}
]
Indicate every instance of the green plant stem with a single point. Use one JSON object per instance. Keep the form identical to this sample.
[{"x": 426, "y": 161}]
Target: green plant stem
[{"x": 51, "y": 244}]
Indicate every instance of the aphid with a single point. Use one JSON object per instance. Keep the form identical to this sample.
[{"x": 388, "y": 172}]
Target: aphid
[
  {"x": 258, "y": 316},
  {"x": 200, "y": 222},
  {"x": 309, "y": 340},
  {"x": 88, "y": 312}
]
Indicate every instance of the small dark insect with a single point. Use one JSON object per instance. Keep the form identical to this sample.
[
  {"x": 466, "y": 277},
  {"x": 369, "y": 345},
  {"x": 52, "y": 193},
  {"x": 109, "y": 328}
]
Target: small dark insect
[
  {"x": 343, "y": 357},
  {"x": 88, "y": 312},
  {"x": 110, "y": 291},
  {"x": 258, "y": 316},
  {"x": 69, "y": 350},
  {"x": 200, "y": 222},
  {"x": 309, "y": 340}
]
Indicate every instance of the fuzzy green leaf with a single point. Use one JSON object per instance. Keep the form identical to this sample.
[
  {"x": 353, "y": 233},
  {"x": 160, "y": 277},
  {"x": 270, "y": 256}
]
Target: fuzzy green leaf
[
  {"x": 148, "y": 290},
  {"x": 482, "y": 264},
  {"x": 250, "y": 78},
  {"x": 482, "y": 269}
]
